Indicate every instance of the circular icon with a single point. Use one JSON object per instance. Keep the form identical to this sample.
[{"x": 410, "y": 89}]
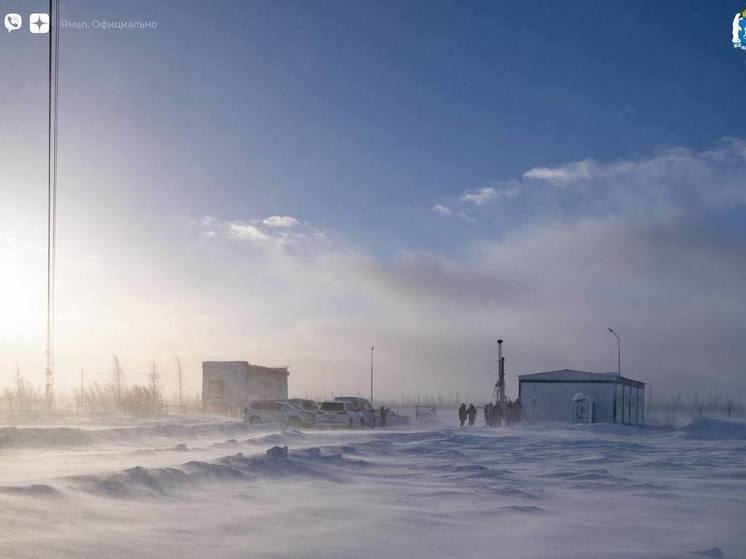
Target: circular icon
[{"x": 13, "y": 22}]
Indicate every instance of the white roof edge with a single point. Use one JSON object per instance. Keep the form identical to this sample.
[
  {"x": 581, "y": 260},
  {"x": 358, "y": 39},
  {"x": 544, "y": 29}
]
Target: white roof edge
[{"x": 576, "y": 375}]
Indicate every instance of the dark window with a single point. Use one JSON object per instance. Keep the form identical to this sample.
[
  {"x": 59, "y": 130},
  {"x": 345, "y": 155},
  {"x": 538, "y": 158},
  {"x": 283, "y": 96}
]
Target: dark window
[{"x": 332, "y": 406}]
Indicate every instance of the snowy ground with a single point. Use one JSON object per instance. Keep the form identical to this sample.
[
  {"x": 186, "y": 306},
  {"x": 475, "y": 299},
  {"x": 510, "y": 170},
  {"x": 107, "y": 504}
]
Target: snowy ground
[{"x": 209, "y": 490}]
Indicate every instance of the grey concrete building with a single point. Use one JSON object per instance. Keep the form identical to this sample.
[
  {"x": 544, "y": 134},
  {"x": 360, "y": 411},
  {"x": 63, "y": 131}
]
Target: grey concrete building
[{"x": 227, "y": 386}]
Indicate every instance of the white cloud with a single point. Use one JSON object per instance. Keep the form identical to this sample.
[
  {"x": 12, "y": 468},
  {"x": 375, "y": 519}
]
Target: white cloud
[
  {"x": 670, "y": 183},
  {"x": 274, "y": 233},
  {"x": 442, "y": 210},
  {"x": 280, "y": 221},
  {"x": 479, "y": 197},
  {"x": 564, "y": 174},
  {"x": 245, "y": 232},
  {"x": 466, "y": 217}
]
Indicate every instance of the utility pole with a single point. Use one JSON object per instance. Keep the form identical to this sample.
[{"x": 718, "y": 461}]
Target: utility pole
[
  {"x": 54, "y": 62},
  {"x": 618, "y": 352},
  {"x": 371, "y": 374}
]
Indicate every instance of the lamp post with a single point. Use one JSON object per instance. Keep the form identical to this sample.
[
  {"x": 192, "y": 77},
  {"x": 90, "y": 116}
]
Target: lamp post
[
  {"x": 371, "y": 374},
  {"x": 618, "y": 352}
]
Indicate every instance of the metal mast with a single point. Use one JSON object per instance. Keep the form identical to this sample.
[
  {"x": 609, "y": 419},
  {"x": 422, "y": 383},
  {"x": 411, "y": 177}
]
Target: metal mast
[
  {"x": 54, "y": 58},
  {"x": 500, "y": 386}
]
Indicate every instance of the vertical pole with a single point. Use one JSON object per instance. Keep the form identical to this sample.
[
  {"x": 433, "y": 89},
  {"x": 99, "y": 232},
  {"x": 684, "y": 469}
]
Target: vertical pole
[
  {"x": 48, "y": 351},
  {"x": 371, "y": 374},
  {"x": 618, "y": 352},
  {"x": 500, "y": 373},
  {"x": 54, "y": 42},
  {"x": 178, "y": 364}
]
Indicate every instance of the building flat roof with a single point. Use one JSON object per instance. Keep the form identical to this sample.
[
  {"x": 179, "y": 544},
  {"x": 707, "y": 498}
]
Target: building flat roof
[
  {"x": 571, "y": 375},
  {"x": 216, "y": 367}
]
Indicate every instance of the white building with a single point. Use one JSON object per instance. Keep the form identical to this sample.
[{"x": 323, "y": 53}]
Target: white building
[
  {"x": 581, "y": 397},
  {"x": 227, "y": 386}
]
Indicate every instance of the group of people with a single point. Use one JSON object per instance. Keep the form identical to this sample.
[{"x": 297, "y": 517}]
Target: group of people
[
  {"x": 465, "y": 414},
  {"x": 494, "y": 414}
]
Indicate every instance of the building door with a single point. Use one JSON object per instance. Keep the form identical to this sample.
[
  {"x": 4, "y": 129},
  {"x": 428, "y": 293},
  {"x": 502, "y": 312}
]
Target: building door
[{"x": 582, "y": 410}]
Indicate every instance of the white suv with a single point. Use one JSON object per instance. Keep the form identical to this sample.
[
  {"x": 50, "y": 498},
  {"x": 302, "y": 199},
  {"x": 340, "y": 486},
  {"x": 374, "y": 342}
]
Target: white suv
[
  {"x": 277, "y": 411},
  {"x": 338, "y": 414}
]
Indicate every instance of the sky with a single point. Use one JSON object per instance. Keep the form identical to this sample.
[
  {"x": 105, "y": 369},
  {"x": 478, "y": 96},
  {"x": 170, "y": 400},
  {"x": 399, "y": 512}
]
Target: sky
[{"x": 292, "y": 182}]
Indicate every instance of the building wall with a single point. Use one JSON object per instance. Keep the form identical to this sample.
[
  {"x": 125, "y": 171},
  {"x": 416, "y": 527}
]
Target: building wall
[
  {"x": 552, "y": 401},
  {"x": 630, "y": 404},
  {"x": 267, "y": 384},
  {"x": 227, "y": 386}
]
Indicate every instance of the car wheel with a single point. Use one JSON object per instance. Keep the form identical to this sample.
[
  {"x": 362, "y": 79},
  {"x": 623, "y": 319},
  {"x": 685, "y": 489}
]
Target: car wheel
[{"x": 255, "y": 419}]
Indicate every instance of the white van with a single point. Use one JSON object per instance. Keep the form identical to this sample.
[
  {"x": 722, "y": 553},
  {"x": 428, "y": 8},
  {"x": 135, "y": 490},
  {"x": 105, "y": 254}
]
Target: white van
[
  {"x": 277, "y": 411},
  {"x": 338, "y": 414}
]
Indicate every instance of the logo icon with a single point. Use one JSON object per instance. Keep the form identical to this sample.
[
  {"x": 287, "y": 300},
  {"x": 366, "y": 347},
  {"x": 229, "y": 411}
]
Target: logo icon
[
  {"x": 38, "y": 23},
  {"x": 739, "y": 30},
  {"x": 13, "y": 22}
]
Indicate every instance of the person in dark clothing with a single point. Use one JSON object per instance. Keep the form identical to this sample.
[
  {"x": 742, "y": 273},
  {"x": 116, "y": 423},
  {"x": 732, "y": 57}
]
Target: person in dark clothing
[
  {"x": 462, "y": 413},
  {"x": 382, "y": 418},
  {"x": 497, "y": 414},
  {"x": 472, "y": 413},
  {"x": 508, "y": 413},
  {"x": 517, "y": 410},
  {"x": 488, "y": 413}
]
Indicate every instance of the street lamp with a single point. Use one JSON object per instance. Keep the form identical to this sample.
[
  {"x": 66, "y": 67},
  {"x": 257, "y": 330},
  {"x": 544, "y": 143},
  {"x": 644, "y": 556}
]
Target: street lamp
[
  {"x": 618, "y": 352},
  {"x": 371, "y": 374}
]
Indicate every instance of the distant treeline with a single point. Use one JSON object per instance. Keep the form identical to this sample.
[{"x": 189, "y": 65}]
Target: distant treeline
[
  {"x": 116, "y": 396},
  {"x": 688, "y": 405},
  {"x": 113, "y": 397}
]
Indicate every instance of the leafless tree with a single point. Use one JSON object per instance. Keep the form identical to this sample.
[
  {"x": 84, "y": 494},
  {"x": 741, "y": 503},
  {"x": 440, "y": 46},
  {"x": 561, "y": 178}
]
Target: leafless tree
[
  {"x": 118, "y": 382},
  {"x": 155, "y": 385}
]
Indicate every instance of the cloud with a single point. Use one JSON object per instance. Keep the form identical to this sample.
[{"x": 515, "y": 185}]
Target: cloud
[
  {"x": 480, "y": 196},
  {"x": 672, "y": 182},
  {"x": 654, "y": 247},
  {"x": 442, "y": 210},
  {"x": 280, "y": 221},
  {"x": 466, "y": 217},
  {"x": 270, "y": 233},
  {"x": 565, "y": 174},
  {"x": 245, "y": 232}
]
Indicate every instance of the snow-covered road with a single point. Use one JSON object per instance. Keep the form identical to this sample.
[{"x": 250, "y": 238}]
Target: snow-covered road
[{"x": 204, "y": 490}]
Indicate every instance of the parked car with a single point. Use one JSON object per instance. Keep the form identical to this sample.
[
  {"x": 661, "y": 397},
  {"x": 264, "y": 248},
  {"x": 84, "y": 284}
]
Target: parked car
[
  {"x": 278, "y": 411},
  {"x": 338, "y": 414},
  {"x": 362, "y": 405},
  {"x": 304, "y": 404},
  {"x": 395, "y": 419}
]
